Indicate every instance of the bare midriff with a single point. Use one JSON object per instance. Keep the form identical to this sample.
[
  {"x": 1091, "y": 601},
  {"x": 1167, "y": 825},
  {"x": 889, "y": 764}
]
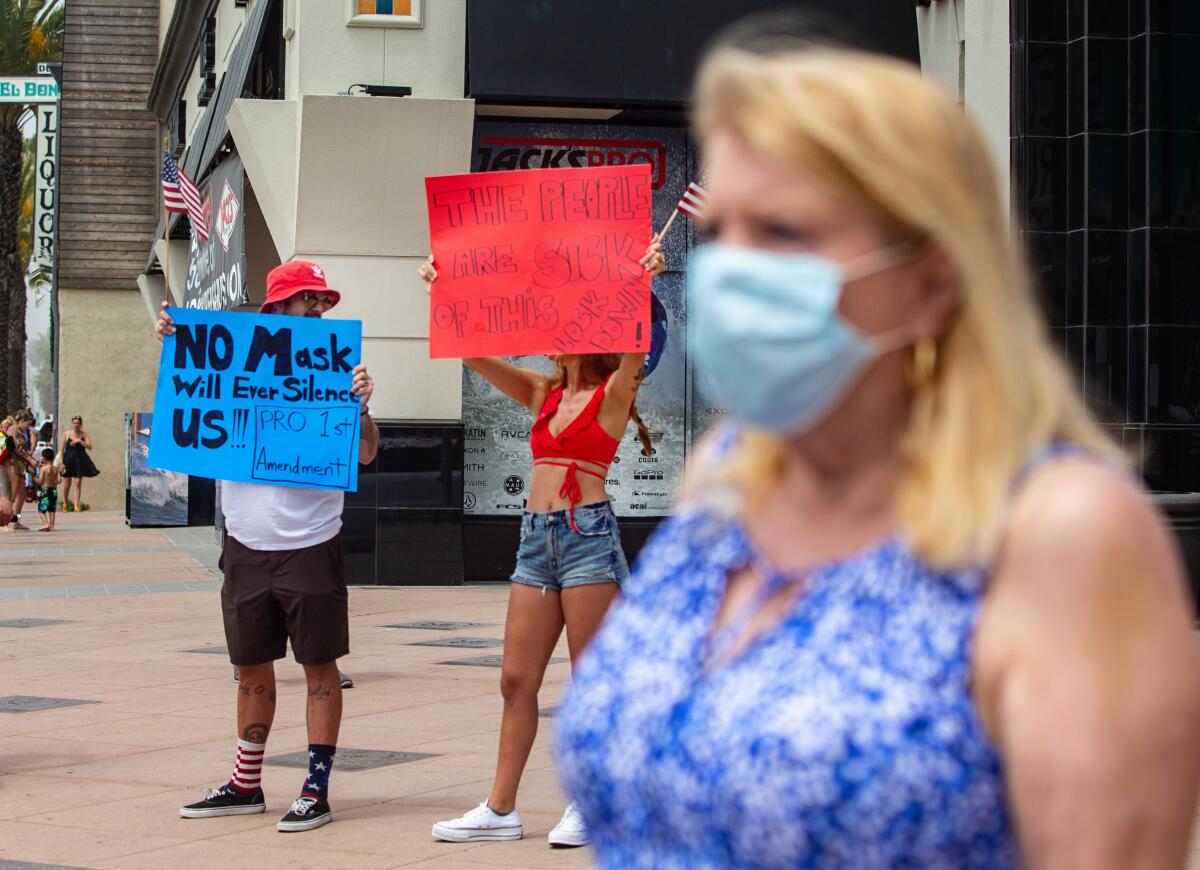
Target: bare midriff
[{"x": 546, "y": 489}]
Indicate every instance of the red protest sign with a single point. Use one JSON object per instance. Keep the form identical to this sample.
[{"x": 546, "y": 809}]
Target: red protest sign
[{"x": 540, "y": 261}]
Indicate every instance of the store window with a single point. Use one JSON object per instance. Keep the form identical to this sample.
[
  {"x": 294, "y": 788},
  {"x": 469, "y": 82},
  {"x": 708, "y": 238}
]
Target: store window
[{"x": 384, "y": 13}]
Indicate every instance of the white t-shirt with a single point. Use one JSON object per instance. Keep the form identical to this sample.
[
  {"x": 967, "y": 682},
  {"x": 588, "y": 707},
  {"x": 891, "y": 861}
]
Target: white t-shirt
[{"x": 264, "y": 517}]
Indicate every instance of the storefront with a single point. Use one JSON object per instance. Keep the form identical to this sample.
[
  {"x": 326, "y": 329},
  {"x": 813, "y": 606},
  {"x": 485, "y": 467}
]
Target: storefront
[
  {"x": 308, "y": 167},
  {"x": 265, "y": 103}
]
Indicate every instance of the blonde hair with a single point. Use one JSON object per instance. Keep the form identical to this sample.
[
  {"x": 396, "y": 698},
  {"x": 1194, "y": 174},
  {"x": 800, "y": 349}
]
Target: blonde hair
[{"x": 874, "y": 130}]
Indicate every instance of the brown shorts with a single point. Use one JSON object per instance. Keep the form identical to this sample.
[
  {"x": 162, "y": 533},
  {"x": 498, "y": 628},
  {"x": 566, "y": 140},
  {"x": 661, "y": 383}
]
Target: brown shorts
[{"x": 270, "y": 596}]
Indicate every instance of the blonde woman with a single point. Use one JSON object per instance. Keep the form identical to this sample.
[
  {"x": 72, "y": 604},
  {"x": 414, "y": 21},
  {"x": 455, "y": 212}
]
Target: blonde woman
[{"x": 913, "y": 610}]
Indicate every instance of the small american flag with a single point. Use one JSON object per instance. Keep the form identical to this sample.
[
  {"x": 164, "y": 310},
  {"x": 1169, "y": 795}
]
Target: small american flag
[
  {"x": 694, "y": 198},
  {"x": 180, "y": 195}
]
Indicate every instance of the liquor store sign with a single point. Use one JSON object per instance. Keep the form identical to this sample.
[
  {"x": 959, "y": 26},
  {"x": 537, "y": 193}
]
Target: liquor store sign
[{"x": 28, "y": 90}]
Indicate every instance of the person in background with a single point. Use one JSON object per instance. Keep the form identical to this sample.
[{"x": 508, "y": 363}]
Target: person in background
[
  {"x": 570, "y": 547},
  {"x": 77, "y": 464},
  {"x": 47, "y": 481},
  {"x": 45, "y": 436},
  {"x": 22, "y": 461},
  {"x": 8, "y": 475},
  {"x": 914, "y": 610},
  {"x": 285, "y": 582}
]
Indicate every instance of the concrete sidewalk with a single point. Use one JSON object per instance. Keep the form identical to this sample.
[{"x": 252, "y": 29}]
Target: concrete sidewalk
[
  {"x": 117, "y": 706},
  {"x": 98, "y": 626}
]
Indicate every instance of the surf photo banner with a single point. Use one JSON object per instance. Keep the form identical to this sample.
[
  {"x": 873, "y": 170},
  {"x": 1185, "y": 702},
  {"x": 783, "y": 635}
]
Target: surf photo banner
[
  {"x": 540, "y": 261},
  {"x": 259, "y": 398}
]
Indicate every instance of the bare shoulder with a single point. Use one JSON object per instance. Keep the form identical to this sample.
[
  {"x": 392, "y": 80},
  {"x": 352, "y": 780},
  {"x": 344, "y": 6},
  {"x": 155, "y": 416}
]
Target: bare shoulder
[
  {"x": 1083, "y": 522},
  {"x": 1086, "y": 674},
  {"x": 1084, "y": 547}
]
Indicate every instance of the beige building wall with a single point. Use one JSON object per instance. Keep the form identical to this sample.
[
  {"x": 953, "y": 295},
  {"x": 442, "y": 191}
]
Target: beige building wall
[
  {"x": 353, "y": 206},
  {"x": 325, "y": 56},
  {"x": 340, "y": 180},
  {"x": 230, "y": 21},
  {"x": 964, "y": 44},
  {"x": 108, "y": 361}
]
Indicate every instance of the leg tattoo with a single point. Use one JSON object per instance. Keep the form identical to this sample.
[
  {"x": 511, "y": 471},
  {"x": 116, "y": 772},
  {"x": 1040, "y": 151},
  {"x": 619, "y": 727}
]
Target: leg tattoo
[{"x": 256, "y": 732}]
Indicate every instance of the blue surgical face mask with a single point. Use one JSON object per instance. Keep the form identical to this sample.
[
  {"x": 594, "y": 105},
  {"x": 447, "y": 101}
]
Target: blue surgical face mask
[{"x": 766, "y": 336}]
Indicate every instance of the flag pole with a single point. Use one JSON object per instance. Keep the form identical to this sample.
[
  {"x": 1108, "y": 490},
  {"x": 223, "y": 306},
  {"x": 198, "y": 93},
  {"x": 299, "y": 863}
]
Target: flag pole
[
  {"x": 667, "y": 226},
  {"x": 166, "y": 237}
]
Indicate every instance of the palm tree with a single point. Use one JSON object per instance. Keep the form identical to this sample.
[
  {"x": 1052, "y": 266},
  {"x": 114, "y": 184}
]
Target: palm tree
[
  {"x": 31, "y": 31},
  {"x": 25, "y": 213}
]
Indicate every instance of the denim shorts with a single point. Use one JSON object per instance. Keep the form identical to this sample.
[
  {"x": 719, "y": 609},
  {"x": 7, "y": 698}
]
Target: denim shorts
[{"x": 554, "y": 556}]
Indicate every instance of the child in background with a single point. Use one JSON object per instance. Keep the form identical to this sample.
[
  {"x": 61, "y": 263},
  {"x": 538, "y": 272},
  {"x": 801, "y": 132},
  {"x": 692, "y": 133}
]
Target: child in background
[{"x": 47, "y": 481}]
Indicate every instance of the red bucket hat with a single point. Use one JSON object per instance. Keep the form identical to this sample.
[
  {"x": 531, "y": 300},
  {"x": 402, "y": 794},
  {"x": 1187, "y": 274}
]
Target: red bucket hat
[{"x": 284, "y": 282}]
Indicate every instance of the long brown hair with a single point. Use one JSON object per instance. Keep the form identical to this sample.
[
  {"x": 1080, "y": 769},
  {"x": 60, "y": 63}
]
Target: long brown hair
[{"x": 595, "y": 370}]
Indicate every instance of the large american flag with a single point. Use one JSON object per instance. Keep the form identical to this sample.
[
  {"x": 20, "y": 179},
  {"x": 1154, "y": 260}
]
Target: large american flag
[
  {"x": 180, "y": 195},
  {"x": 694, "y": 198}
]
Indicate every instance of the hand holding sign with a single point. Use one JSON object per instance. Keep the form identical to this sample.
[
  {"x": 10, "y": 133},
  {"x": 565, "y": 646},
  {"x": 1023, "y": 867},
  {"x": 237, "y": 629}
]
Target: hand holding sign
[
  {"x": 540, "y": 261},
  {"x": 259, "y": 398}
]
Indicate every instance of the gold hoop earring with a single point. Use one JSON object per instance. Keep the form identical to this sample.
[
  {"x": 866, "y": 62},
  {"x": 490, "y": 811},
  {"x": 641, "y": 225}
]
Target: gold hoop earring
[{"x": 924, "y": 362}]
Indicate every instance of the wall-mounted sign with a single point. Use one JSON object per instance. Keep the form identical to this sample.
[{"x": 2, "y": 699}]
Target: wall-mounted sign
[
  {"x": 15, "y": 89},
  {"x": 40, "y": 299},
  {"x": 216, "y": 279},
  {"x": 562, "y": 152}
]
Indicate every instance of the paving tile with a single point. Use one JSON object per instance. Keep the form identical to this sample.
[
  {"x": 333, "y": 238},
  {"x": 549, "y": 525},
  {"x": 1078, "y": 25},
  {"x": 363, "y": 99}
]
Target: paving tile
[
  {"x": 300, "y": 853},
  {"x": 86, "y": 591},
  {"x": 349, "y": 760},
  {"x": 462, "y": 642},
  {"x": 34, "y": 704},
  {"x": 437, "y": 625},
  {"x": 492, "y": 661},
  {"x": 71, "y": 847},
  {"x": 126, "y": 588},
  {"x": 30, "y": 622},
  {"x": 27, "y": 795}
]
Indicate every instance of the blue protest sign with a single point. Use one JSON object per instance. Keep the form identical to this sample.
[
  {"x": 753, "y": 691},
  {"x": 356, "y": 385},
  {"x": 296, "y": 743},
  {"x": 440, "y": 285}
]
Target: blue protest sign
[{"x": 259, "y": 398}]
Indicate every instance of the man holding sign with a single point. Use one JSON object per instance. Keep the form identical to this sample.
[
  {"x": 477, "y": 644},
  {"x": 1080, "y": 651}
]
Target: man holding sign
[{"x": 282, "y": 559}]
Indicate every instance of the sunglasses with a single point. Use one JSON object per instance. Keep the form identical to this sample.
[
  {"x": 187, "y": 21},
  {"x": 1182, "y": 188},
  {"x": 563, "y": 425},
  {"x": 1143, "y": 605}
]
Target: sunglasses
[{"x": 311, "y": 298}]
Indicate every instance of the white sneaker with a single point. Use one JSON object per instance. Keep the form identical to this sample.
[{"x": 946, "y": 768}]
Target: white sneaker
[
  {"x": 480, "y": 824},
  {"x": 570, "y": 830}
]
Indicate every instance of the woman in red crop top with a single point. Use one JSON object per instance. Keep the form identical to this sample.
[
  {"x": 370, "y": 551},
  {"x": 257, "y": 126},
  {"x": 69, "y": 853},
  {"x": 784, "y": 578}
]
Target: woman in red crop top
[{"x": 570, "y": 564}]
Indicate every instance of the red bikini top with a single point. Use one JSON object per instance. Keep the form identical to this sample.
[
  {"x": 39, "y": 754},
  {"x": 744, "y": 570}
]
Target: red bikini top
[{"x": 584, "y": 438}]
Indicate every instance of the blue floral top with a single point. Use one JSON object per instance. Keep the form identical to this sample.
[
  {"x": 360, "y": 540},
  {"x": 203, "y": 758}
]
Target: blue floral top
[{"x": 847, "y": 736}]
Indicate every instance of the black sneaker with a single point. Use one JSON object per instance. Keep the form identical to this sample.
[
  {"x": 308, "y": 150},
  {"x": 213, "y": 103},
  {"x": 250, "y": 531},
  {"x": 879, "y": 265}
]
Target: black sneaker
[
  {"x": 225, "y": 801},
  {"x": 306, "y": 813},
  {"x": 347, "y": 683}
]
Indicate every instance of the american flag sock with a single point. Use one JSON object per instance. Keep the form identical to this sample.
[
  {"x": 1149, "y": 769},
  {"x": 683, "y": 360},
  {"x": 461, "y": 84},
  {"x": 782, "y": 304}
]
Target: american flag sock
[
  {"x": 320, "y": 764},
  {"x": 247, "y": 769}
]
